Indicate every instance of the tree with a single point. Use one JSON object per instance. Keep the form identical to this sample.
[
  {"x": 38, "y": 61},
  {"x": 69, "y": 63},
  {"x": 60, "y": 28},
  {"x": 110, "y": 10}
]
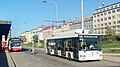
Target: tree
[
  {"x": 35, "y": 38},
  {"x": 110, "y": 31}
]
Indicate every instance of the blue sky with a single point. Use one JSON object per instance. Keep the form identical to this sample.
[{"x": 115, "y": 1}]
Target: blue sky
[{"x": 28, "y": 14}]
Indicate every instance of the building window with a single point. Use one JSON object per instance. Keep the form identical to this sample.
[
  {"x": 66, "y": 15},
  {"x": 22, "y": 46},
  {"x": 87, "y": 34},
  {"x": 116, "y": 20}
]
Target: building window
[
  {"x": 105, "y": 18},
  {"x": 90, "y": 21},
  {"x": 91, "y": 26},
  {"x": 95, "y": 16},
  {"x": 94, "y": 20},
  {"x": 118, "y": 10},
  {"x": 105, "y": 13},
  {"x": 98, "y": 25},
  {"x": 108, "y": 8},
  {"x": 113, "y": 17},
  {"x": 111, "y": 7},
  {"x": 101, "y": 14},
  {"x": 118, "y": 22},
  {"x": 118, "y": 26},
  {"x": 95, "y": 25},
  {"x": 102, "y": 19},
  {"x": 113, "y": 11},
  {"x": 104, "y": 9},
  {"x": 98, "y": 20},
  {"x": 114, "y": 22},
  {"x": 116, "y": 5},
  {"x": 118, "y": 30},
  {"x": 109, "y": 23},
  {"x": 101, "y": 10},
  {"x": 109, "y": 12},
  {"x": 101, "y": 24},
  {"x": 109, "y": 18},
  {"x": 105, "y": 24},
  {"x": 98, "y": 15},
  {"x": 118, "y": 16}
]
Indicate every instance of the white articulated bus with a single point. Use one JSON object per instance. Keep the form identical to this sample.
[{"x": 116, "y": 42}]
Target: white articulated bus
[{"x": 73, "y": 45}]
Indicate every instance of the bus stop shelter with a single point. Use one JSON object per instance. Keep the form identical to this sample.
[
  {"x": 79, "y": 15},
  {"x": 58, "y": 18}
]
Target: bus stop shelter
[{"x": 4, "y": 31}]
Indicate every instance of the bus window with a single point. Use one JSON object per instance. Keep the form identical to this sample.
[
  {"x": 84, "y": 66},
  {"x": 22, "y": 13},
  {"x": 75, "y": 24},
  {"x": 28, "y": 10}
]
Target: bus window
[
  {"x": 88, "y": 45},
  {"x": 83, "y": 45}
]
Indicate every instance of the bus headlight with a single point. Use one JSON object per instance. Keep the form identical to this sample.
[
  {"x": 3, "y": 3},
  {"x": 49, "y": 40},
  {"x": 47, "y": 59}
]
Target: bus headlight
[{"x": 82, "y": 55}]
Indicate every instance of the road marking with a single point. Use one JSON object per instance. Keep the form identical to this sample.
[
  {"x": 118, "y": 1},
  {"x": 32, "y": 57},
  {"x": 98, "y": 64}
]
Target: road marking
[{"x": 12, "y": 59}]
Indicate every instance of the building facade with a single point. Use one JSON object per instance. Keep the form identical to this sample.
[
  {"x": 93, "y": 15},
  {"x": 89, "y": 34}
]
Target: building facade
[
  {"x": 107, "y": 16},
  {"x": 46, "y": 32},
  {"x": 77, "y": 23},
  {"x": 28, "y": 35}
]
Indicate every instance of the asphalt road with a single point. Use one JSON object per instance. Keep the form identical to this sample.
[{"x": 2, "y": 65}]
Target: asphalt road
[{"x": 41, "y": 59}]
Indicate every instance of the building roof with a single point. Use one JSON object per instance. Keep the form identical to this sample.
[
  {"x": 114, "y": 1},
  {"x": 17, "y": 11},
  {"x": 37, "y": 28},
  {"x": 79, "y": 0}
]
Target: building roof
[
  {"x": 4, "y": 29},
  {"x": 108, "y": 5}
]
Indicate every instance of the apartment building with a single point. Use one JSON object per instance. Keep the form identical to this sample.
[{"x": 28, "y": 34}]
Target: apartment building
[
  {"x": 61, "y": 28},
  {"x": 107, "y": 16},
  {"x": 46, "y": 32},
  {"x": 77, "y": 23},
  {"x": 28, "y": 35}
]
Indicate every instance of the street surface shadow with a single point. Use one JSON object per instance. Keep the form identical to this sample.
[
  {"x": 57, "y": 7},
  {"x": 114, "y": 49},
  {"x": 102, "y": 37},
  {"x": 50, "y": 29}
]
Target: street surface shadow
[
  {"x": 25, "y": 50},
  {"x": 3, "y": 59},
  {"x": 88, "y": 61},
  {"x": 112, "y": 66}
]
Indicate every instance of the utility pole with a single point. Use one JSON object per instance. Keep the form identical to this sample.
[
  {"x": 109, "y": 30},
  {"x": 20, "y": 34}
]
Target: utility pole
[{"x": 82, "y": 10}]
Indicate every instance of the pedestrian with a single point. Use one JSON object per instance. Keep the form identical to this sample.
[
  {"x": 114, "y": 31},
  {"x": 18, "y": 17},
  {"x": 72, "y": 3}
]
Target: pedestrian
[{"x": 32, "y": 48}]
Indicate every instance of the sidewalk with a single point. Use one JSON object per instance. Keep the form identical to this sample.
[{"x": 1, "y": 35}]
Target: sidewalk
[
  {"x": 111, "y": 57},
  {"x": 3, "y": 59},
  {"x": 10, "y": 61}
]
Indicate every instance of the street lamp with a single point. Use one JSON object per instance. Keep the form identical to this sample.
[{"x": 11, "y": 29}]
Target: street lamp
[{"x": 55, "y": 6}]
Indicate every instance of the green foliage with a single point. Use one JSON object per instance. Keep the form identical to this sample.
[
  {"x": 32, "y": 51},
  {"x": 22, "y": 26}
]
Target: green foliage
[
  {"x": 35, "y": 38},
  {"x": 27, "y": 44},
  {"x": 111, "y": 44},
  {"x": 110, "y": 31},
  {"x": 41, "y": 43},
  {"x": 111, "y": 50}
]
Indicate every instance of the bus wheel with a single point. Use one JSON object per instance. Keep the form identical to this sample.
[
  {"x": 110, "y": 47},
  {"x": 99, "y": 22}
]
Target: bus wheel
[{"x": 69, "y": 56}]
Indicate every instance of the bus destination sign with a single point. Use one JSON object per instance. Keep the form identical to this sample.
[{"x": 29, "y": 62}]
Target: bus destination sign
[{"x": 89, "y": 36}]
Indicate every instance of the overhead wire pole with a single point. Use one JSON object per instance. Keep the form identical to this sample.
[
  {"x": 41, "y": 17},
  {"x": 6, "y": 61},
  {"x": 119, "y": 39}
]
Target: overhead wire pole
[
  {"x": 55, "y": 6},
  {"x": 82, "y": 10},
  {"x": 51, "y": 28}
]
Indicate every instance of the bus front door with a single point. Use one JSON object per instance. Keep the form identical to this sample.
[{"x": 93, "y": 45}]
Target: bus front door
[{"x": 75, "y": 49}]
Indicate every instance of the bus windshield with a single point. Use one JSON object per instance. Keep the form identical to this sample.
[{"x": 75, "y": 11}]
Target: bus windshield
[
  {"x": 90, "y": 43},
  {"x": 16, "y": 44}
]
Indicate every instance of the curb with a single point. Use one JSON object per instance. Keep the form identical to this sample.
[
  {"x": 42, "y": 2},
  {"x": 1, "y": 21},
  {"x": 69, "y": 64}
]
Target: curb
[
  {"x": 11, "y": 63},
  {"x": 116, "y": 55},
  {"x": 111, "y": 58},
  {"x": 111, "y": 61}
]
